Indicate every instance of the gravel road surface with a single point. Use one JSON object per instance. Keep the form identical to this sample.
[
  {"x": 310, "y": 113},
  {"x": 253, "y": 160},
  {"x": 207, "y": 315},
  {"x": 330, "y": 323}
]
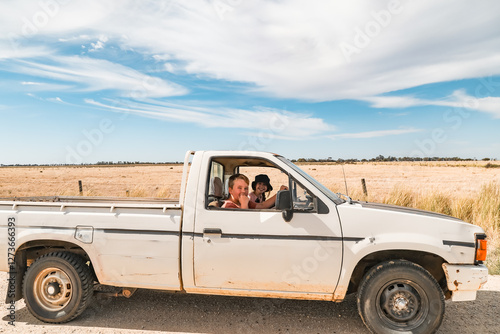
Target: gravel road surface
[{"x": 159, "y": 312}]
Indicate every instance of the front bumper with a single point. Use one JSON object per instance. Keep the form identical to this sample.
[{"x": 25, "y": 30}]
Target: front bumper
[{"x": 464, "y": 280}]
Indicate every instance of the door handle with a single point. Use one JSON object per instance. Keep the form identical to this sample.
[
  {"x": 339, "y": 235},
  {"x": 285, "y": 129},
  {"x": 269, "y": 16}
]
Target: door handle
[{"x": 212, "y": 231}]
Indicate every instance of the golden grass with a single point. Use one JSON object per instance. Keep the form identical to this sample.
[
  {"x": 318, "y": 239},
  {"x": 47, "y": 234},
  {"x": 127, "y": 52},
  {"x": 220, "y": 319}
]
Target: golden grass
[
  {"x": 482, "y": 208},
  {"x": 466, "y": 190},
  {"x": 122, "y": 181}
]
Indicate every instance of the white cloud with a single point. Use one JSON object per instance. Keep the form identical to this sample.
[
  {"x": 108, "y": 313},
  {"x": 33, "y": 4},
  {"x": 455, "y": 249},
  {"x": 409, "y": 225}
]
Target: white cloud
[
  {"x": 14, "y": 50},
  {"x": 490, "y": 105},
  {"x": 169, "y": 67},
  {"x": 288, "y": 48},
  {"x": 162, "y": 57},
  {"x": 459, "y": 99},
  {"x": 56, "y": 100},
  {"x": 96, "y": 46},
  {"x": 89, "y": 74},
  {"x": 27, "y": 19},
  {"x": 99, "y": 44},
  {"x": 44, "y": 86},
  {"x": 374, "y": 134},
  {"x": 75, "y": 38},
  {"x": 393, "y": 101},
  {"x": 293, "y": 48},
  {"x": 277, "y": 123}
]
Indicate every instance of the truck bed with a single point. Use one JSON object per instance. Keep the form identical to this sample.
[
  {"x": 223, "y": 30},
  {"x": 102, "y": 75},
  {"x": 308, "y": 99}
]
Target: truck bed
[
  {"x": 86, "y": 201},
  {"x": 132, "y": 242}
]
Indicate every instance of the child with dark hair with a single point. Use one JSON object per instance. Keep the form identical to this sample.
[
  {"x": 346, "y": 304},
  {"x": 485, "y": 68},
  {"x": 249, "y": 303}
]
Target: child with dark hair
[{"x": 260, "y": 186}]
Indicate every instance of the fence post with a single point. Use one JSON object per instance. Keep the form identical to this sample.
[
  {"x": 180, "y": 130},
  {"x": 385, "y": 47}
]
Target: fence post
[
  {"x": 80, "y": 187},
  {"x": 363, "y": 184}
]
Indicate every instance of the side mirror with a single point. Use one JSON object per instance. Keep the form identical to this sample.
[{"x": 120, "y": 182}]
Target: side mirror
[{"x": 284, "y": 203}]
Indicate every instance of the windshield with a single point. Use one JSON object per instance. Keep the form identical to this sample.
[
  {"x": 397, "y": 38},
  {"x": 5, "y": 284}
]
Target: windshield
[{"x": 327, "y": 192}]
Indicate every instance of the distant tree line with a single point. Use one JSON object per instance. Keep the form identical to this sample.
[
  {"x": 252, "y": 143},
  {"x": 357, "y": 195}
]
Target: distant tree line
[
  {"x": 99, "y": 163},
  {"x": 381, "y": 158},
  {"x": 134, "y": 163}
]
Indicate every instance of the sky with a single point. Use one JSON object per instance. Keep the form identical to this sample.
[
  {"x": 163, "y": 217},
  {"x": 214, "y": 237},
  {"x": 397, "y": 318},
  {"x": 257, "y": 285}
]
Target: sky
[{"x": 109, "y": 80}]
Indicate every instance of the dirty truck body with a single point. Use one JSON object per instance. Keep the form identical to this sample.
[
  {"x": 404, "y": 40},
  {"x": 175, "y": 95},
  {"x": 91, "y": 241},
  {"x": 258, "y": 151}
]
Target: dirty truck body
[{"x": 403, "y": 263}]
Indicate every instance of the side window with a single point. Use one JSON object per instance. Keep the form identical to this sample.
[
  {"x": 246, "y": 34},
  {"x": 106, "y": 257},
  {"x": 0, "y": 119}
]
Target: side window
[
  {"x": 215, "y": 185},
  {"x": 216, "y": 170},
  {"x": 302, "y": 199},
  {"x": 264, "y": 181}
]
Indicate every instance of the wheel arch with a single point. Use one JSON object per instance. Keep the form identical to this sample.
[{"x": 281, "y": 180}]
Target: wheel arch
[
  {"x": 28, "y": 252},
  {"x": 429, "y": 261}
]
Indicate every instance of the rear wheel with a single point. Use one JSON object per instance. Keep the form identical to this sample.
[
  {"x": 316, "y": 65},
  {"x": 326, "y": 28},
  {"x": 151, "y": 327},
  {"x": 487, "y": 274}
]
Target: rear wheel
[
  {"x": 58, "y": 287},
  {"x": 400, "y": 296}
]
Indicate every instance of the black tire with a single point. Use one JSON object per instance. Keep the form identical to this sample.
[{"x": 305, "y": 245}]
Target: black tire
[
  {"x": 400, "y": 296},
  {"x": 58, "y": 287}
]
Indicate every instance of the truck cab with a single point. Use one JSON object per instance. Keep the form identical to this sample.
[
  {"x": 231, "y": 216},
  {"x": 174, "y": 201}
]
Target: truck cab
[{"x": 241, "y": 250}]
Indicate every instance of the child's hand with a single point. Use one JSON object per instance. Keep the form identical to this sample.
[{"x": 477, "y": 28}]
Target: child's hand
[
  {"x": 283, "y": 188},
  {"x": 244, "y": 201}
]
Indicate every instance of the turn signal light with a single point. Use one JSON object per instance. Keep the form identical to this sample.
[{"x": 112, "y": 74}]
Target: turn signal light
[{"x": 481, "y": 250}]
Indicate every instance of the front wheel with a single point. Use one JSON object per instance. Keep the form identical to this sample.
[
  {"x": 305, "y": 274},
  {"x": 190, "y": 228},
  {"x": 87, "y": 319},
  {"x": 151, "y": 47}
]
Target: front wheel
[
  {"x": 58, "y": 287},
  {"x": 400, "y": 296}
]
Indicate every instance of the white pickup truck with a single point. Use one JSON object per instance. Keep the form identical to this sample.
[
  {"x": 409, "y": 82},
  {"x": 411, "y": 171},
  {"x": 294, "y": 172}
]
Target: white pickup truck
[{"x": 403, "y": 263}]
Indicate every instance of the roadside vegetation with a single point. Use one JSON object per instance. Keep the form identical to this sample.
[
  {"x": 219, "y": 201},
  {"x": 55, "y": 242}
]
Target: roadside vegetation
[{"x": 481, "y": 209}]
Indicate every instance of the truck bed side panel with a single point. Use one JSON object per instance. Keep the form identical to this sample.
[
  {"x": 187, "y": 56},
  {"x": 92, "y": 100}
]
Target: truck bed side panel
[{"x": 131, "y": 246}]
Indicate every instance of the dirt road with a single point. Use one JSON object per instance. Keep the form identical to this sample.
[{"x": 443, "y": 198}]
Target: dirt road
[{"x": 160, "y": 312}]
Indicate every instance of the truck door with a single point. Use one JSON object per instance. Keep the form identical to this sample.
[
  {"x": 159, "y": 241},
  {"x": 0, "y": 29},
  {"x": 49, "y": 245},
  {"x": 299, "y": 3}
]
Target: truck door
[{"x": 258, "y": 250}]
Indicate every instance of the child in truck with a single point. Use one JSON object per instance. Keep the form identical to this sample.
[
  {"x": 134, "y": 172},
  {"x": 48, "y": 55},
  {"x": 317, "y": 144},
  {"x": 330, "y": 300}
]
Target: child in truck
[
  {"x": 260, "y": 186},
  {"x": 238, "y": 195}
]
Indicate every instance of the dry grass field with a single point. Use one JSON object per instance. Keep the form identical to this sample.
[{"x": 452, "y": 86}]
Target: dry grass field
[{"x": 467, "y": 190}]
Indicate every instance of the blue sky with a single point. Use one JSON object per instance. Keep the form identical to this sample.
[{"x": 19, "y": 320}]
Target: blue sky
[{"x": 88, "y": 81}]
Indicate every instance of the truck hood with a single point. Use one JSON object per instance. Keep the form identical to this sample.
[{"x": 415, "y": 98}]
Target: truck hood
[
  {"x": 385, "y": 227},
  {"x": 403, "y": 209}
]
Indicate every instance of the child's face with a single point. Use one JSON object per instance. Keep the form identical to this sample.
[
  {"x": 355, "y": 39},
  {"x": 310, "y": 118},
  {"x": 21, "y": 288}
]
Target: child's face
[
  {"x": 239, "y": 187},
  {"x": 260, "y": 187}
]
